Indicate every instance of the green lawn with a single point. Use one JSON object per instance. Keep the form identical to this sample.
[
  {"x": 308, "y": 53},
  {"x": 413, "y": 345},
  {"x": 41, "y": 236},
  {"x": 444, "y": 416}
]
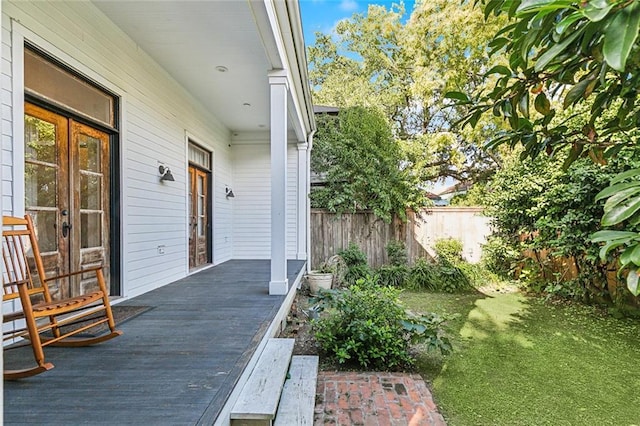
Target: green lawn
[{"x": 521, "y": 361}]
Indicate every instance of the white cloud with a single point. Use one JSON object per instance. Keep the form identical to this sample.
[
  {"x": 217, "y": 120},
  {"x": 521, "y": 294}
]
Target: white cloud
[{"x": 348, "y": 5}]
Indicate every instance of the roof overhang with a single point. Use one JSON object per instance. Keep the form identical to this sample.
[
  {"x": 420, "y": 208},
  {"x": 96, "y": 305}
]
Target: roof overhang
[{"x": 222, "y": 52}]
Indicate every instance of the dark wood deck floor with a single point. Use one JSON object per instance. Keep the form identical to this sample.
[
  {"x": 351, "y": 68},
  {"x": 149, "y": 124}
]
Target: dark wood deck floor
[{"x": 175, "y": 364}]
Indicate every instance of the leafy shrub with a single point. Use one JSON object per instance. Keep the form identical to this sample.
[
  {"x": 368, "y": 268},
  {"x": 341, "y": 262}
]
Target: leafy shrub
[
  {"x": 545, "y": 210},
  {"x": 450, "y": 278},
  {"x": 353, "y": 255},
  {"x": 367, "y": 325},
  {"x": 392, "y": 275},
  {"x": 476, "y": 274},
  {"x": 442, "y": 275},
  {"x": 396, "y": 253},
  {"x": 500, "y": 257},
  {"x": 422, "y": 276},
  {"x": 355, "y": 261},
  {"x": 358, "y": 156},
  {"x": 449, "y": 249}
]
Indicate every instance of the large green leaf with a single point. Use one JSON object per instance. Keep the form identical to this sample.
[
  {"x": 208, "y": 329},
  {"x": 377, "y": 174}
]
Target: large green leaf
[
  {"x": 607, "y": 235},
  {"x": 611, "y": 245},
  {"x": 625, "y": 175},
  {"x": 523, "y": 105},
  {"x": 554, "y": 51},
  {"x": 597, "y": 10},
  {"x": 542, "y": 104},
  {"x": 632, "y": 282},
  {"x": 599, "y": 4},
  {"x": 621, "y": 212},
  {"x": 614, "y": 189},
  {"x": 620, "y": 197},
  {"x": 574, "y": 153},
  {"x": 532, "y": 4},
  {"x": 621, "y": 35},
  {"x": 566, "y": 22},
  {"x": 635, "y": 255},
  {"x": 459, "y": 96},
  {"x": 625, "y": 257},
  {"x": 576, "y": 93},
  {"x": 543, "y": 5},
  {"x": 499, "y": 69}
]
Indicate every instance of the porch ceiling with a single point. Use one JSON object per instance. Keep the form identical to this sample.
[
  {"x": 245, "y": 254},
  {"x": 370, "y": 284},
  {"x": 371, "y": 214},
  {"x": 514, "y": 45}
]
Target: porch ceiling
[{"x": 190, "y": 39}]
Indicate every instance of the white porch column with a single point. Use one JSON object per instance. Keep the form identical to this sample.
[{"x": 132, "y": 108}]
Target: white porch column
[
  {"x": 303, "y": 158},
  {"x": 279, "y": 89},
  {"x": 308, "y": 191}
]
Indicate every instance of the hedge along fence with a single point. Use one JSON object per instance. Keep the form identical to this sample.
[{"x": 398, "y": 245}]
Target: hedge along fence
[
  {"x": 562, "y": 269},
  {"x": 331, "y": 233}
]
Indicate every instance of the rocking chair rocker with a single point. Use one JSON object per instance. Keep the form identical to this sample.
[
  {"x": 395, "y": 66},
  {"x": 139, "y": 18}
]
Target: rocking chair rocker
[{"x": 39, "y": 312}]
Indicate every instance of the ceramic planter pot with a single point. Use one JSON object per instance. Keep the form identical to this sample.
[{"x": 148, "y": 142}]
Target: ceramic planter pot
[{"x": 319, "y": 280}]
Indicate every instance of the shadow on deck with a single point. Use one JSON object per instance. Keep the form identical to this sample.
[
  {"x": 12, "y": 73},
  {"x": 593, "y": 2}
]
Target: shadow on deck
[{"x": 175, "y": 364}]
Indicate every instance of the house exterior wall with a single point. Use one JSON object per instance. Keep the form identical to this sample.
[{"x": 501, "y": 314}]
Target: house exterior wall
[
  {"x": 252, "y": 203},
  {"x": 156, "y": 116}
]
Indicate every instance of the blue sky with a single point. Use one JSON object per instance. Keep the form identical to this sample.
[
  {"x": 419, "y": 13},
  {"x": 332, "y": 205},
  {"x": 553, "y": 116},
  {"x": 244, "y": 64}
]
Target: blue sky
[{"x": 322, "y": 15}]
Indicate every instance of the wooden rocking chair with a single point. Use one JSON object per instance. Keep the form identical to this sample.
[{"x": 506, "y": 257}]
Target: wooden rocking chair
[{"x": 39, "y": 312}]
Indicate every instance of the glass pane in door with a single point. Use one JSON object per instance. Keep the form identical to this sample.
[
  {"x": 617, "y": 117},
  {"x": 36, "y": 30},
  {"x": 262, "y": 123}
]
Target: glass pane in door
[
  {"x": 90, "y": 153},
  {"x": 40, "y": 140},
  {"x": 41, "y": 170},
  {"x": 90, "y": 191},
  {"x": 201, "y": 206},
  {"x": 91, "y": 234},
  {"x": 91, "y": 187},
  {"x": 40, "y": 185}
]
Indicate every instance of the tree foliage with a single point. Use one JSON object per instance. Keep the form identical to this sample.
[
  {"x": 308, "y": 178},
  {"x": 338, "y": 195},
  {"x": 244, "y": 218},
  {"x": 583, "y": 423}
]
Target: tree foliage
[
  {"x": 539, "y": 208},
  {"x": 404, "y": 69},
  {"x": 570, "y": 81},
  {"x": 575, "y": 52},
  {"x": 359, "y": 161}
]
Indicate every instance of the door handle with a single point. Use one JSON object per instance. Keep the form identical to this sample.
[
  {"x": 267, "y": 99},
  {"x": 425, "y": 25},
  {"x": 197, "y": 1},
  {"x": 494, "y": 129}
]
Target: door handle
[{"x": 65, "y": 229}]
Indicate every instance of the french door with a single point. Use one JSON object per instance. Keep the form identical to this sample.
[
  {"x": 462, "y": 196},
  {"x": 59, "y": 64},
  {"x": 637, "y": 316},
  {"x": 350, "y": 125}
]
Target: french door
[
  {"x": 67, "y": 195},
  {"x": 199, "y": 229}
]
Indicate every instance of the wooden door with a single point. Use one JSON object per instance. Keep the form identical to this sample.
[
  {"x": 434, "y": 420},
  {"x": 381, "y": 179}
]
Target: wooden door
[
  {"x": 67, "y": 194},
  {"x": 199, "y": 229}
]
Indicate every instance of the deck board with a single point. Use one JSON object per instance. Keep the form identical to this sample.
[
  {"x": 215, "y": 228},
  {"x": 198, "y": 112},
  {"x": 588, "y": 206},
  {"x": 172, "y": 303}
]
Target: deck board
[{"x": 173, "y": 364}]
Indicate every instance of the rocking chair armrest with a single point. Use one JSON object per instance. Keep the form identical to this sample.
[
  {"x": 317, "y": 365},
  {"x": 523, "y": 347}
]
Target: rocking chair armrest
[{"x": 74, "y": 273}]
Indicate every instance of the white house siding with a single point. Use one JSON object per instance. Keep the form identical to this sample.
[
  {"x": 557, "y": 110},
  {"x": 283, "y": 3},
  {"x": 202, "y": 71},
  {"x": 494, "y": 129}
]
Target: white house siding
[
  {"x": 252, "y": 202},
  {"x": 7, "y": 110},
  {"x": 155, "y": 111}
]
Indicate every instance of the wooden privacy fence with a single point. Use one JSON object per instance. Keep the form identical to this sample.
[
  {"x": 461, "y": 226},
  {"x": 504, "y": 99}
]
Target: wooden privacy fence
[{"x": 331, "y": 233}]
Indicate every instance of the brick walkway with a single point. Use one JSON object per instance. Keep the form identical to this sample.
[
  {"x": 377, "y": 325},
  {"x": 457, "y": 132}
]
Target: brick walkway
[{"x": 374, "y": 399}]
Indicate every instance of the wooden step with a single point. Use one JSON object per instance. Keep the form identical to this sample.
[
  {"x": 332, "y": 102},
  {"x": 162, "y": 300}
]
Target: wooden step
[
  {"x": 298, "y": 398},
  {"x": 258, "y": 400}
]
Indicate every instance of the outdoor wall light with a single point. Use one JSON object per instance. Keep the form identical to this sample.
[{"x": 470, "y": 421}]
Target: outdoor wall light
[
  {"x": 229, "y": 192},
  {"x": 165, "y": 174}
]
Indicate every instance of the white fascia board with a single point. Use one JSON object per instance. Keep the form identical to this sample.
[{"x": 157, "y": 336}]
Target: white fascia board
[
  {"x": 286, "y": 29},
  {"x": 301, "y": 58}
]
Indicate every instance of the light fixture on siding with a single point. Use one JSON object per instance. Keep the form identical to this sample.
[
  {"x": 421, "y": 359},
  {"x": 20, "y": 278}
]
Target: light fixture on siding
[
  {"x": 229, "y": 192},
  {"x": 165, "y": 174}
]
